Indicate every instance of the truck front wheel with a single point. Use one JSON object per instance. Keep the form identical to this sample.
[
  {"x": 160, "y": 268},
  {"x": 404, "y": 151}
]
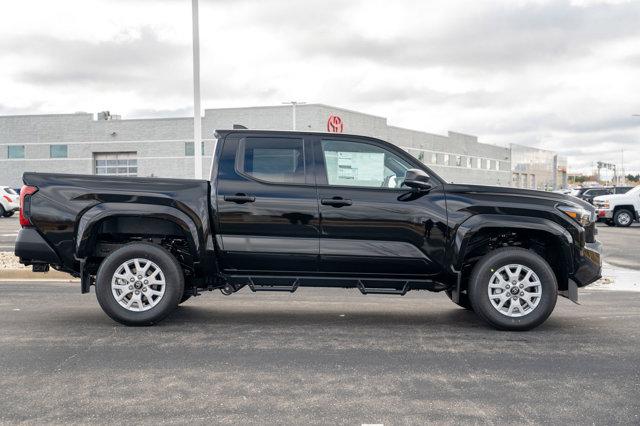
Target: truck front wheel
[
  {"x": 139, "y": 284},
  {"x": 513, "y": 289},
  {"x": 623, "y": 217}
]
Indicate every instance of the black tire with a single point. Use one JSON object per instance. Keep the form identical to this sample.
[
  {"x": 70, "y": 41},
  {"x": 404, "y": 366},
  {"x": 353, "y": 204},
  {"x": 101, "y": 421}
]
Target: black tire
[
  {"x": 185, "y": 296},
  {"x": 463, "y": 301},
  {"x": 8, "y": 214},
  {"x": 623, "y": 218},
  {"x": 2, "y": 210},
  {"x": 174, "y": 284},
  {"x": 479, "y": 285}
]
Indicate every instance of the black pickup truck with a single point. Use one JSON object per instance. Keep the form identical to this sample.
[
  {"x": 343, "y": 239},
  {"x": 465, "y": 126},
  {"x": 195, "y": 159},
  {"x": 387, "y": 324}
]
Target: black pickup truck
[{"x": 289, "y": 209}]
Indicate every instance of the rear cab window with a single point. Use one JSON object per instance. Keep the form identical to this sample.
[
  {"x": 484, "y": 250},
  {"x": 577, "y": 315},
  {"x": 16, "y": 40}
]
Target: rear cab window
[{"x": 279, "y": 160}]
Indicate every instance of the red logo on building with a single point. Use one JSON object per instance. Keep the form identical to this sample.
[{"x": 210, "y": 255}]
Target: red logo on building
[{"x": 335, "y": 124}]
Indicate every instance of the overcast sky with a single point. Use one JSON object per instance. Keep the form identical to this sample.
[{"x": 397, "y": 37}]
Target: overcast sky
[{"x": 563, "y": 75}]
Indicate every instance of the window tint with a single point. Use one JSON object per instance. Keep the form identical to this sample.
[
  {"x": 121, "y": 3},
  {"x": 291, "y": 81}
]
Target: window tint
[
  {"x": 58, "y": 151},
  {"x": 15, "y": 151},
  {"x": 360, "y": 164},
  {"x": 278, "y": 160}
]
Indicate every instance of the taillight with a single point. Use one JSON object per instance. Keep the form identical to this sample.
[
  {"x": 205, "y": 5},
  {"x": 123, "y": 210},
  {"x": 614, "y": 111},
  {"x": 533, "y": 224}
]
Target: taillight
[
  {"x": 8, "y": 199},
  {"x": 25, "y": 204}
]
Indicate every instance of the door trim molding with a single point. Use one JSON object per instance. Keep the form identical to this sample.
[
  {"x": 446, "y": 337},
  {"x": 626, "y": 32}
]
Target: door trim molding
[{"x": 322, "y": 246}]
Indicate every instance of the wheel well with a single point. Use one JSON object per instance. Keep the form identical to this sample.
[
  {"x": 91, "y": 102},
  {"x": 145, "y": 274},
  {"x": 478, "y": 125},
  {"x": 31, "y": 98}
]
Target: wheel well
[
  {"x": 114, "y": 232},
  {"x": 545, "y": 244},
  {"x": 631, "y": 209}
]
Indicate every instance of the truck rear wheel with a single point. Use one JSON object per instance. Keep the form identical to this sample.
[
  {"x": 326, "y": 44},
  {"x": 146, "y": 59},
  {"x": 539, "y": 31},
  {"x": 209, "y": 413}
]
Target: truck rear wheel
[
  {"x": 139, "y": 284},
  {"x": 623, "y": 217},
  {"x": 513, "y": 289}
]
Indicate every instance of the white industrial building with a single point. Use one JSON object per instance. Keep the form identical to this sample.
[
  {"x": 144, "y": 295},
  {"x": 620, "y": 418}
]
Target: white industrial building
[{"x": 106, "y": 144}]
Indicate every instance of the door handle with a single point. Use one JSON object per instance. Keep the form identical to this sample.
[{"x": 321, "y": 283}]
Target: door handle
[
  {"x": 240, "y": 198},
  {"x": 336, "y": 202}
]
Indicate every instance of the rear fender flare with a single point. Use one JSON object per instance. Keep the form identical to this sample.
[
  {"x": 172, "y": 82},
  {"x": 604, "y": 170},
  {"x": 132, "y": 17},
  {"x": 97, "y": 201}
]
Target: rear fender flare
[{"x": 85, "y": 235}]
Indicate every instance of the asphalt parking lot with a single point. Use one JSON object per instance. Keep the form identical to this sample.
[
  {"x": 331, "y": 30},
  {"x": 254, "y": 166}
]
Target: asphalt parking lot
[{"x": 316, "y": 356}]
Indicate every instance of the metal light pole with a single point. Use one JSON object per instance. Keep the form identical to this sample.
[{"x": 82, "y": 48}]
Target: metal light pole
[
  {"x": 293, "y": 111},
  {"x": 197, "y": 119}
]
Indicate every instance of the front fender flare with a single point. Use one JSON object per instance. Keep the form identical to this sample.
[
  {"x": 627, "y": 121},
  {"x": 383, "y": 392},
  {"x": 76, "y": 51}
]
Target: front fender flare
[
  {"x": 85, "y": 235},
  {"x": 467, "y": 229}
]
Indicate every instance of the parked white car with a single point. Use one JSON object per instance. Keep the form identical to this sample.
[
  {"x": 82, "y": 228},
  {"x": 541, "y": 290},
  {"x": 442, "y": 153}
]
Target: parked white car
[
  {"x": 9, "y": 201},
  {"x": 619, "y": 209}
]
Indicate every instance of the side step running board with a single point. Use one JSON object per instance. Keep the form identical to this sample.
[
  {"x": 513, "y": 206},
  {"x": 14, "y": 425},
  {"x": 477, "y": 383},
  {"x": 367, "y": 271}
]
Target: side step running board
[
  {"x": 266, "y": 287},
  {"x": 380, "y": 290}
]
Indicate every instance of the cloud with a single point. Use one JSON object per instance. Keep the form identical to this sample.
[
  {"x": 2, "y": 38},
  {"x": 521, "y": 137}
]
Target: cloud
[
  {"x": 489, "y": 36},
  {"x": 556, "y": 74}
]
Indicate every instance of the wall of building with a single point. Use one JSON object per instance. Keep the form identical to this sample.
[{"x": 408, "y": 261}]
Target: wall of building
[{"x": 160, "y": 144}]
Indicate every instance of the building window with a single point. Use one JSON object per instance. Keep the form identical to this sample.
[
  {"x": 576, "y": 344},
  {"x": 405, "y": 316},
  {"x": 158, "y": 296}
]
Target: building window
[
  {"x": 446, "y": 159},
  {"x": 189, "y": 150},
  {"x": 58, "y": 151},
  {"x": 434, "y": 158},
  {"x": 116, "y": 163},
  {"x": 15, "y": 151},
  {"x": 458, "y": 161},
  {"x": 469, "y": 162}
]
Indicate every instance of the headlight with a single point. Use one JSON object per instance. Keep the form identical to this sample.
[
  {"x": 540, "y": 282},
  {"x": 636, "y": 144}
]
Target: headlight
[{"x": 580, "y": 215}]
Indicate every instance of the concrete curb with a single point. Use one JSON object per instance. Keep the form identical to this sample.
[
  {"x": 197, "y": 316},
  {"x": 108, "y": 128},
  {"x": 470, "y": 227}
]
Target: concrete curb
[{"x": 28, "y": 274}]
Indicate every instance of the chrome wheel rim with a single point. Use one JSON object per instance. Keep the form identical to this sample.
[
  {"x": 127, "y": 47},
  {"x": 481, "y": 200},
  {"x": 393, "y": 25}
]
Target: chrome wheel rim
[
  {"x": 138, "y": 285},
  {"x": 514, "y": 290},
  {"x": 624, "y": 218}
]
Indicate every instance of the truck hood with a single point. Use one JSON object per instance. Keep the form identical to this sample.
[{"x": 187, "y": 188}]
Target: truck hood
[
  {"x": 530, "y": 194},
  {"x": 611, "y": 197}
]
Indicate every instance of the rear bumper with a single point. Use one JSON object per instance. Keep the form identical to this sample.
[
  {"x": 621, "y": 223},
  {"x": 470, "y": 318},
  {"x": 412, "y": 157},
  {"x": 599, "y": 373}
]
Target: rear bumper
[
  {"x": 32, "y": 248},
  {"x": 589, "y": 268},
  {"x": 12, "y": 207}
]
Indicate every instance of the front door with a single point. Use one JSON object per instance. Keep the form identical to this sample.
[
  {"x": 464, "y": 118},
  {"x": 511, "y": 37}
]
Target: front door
[
  {"x": 370, "y": 224},
  {"x": 267, "y": 207}
]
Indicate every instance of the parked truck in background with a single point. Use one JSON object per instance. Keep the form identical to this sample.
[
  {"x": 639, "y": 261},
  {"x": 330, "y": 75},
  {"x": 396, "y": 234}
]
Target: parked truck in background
[
  {"x": 283, "y": 210},
  {"x": 619, "y": 209}
]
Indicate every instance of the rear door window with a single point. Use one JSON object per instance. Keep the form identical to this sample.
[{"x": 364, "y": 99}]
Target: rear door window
[{"x": 274, "y": 160}]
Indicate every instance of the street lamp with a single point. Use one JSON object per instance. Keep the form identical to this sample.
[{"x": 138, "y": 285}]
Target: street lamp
[
  {"x": 197, "y": 125},
  {"x": 293, "y": 111}
]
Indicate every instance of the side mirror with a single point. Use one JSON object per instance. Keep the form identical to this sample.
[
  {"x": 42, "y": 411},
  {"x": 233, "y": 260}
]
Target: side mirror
[{"x": 417, "y": 179}]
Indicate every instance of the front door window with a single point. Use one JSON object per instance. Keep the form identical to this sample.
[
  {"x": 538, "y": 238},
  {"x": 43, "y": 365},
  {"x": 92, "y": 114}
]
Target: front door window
[{"x": 359, "y": 164}]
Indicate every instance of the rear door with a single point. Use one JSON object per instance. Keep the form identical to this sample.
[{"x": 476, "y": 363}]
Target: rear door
[
  {"x": 267, "y": 208},
  {"x": 370, "y": 225}
]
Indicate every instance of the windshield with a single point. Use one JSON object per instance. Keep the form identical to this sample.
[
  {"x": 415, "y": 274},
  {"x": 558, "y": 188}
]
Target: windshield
[
  {"x": 10, "y": 191},
  {"x": 634, "y": 190}
]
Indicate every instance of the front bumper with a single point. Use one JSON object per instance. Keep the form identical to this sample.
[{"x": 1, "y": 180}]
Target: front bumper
[
  {"x": 604, "y": 214},
  {"x": 589, "y": 264}
]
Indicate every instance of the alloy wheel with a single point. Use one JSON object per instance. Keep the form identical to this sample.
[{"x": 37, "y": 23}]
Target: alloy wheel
[
  {"x": 514, "y": 290},
  {"x": 138, "y": 284}
]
